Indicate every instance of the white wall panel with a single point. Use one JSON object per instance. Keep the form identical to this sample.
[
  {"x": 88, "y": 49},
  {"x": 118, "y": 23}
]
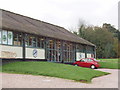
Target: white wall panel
[
  {"x": 10, "y": 51},
  {"x": 35, "y": 53},
  {"x": 88, "y": 55},
  {"x": 79, "y": 55},
  {"x": 16, "y": 52}
]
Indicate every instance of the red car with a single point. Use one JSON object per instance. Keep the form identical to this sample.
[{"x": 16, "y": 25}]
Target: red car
[{"x": 87, "y": 62}]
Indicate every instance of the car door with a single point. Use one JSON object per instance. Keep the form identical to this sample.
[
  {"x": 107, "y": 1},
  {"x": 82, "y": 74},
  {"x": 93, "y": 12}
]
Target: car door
[
  {"x": 83, "y": 63},
  {"x": 88, "y": 62}
]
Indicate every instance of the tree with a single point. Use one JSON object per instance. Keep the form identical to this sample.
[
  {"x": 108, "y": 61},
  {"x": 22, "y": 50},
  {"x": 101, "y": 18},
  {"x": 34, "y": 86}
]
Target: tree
[
  {"x": 105, "y": 38},
  {"x": 75, "y": 32},
  {"x": 115, "y": 47}
]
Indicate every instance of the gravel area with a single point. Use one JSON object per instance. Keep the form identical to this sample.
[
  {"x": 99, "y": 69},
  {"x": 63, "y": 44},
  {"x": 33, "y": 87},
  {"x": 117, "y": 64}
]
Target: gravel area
[{"x": 30, "y": 81}]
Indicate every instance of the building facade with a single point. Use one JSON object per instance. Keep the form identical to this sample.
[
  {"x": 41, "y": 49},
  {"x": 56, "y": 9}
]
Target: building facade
[{"x": 22, "y": 37}]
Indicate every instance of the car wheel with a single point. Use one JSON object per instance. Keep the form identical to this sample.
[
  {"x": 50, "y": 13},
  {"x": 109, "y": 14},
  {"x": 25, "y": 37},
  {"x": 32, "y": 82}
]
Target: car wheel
[
  {"x": 92, "y": 67},
  {"x": 75, "y": 65}
]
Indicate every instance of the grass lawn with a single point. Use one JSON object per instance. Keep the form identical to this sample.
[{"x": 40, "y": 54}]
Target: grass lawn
[
  {"x": 109, "y": 60},
  {"x": 109, "y": 63},
  {"x": 53, "y": 70}
]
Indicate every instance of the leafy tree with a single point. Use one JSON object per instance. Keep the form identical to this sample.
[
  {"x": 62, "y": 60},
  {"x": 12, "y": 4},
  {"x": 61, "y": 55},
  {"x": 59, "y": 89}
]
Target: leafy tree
[
  {"x": 81, "y": 31},
  {"x": 115, "y": 46},
  {"x": 105, "y": 38}
]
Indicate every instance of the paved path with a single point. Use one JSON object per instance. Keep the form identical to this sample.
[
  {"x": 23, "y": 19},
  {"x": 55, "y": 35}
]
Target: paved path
[{"x": 30, "y": 81}]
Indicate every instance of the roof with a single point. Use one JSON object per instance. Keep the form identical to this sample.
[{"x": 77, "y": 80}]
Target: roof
[{"x": 16, "y": 22}]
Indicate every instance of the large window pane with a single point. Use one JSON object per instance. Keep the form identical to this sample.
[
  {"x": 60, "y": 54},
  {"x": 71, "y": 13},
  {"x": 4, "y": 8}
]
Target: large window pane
[
  {"x": 30, "y": 41},
  {"x": 10, "y": 38},
  {"x": 15, "y": 38},
  {"x": 4, "y": 37},
  {"x": 26, "y": 40},
  {"x": 38, "y": 42},
  {"x": 19, "y": 39},
  {"x": 51, "y": 44},
  {"x": 58, "y": 45},
  {"x": 34, "y": 41},
  {"x": 42, "y": 42}
]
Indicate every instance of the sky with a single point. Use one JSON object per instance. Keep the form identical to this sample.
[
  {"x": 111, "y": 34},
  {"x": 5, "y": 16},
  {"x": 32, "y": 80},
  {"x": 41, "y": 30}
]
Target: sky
[{"x": 66, "y": 13}]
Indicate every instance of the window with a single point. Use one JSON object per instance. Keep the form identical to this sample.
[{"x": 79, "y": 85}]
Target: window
[
  {"x": 65, "y": 46},
  {"x": 15, "y": 36},
  {"x": 30, "y": 41},
  {"x": 51, "y": 44},
  {"x": 34, "y": 41},
  {"x": 83, "y": 60},
  {"x": 90, "y": 49},
  {"x": 58, "y": 45},
  {"x": 17, "y": 39},
  {"x": 80, "y": 47},
  {"x": 89, "y": 60},
  {"x": 38, "y": 42},
  {"x": 10, "y": 38},
  {"x": 4, "y": 37},
  {"x": 26, "y": 40},
  {"x": 42, "y": 42}
]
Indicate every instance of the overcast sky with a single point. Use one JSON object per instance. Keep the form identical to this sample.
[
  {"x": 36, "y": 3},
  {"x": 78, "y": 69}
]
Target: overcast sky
[{"x": 66, "y": 13}]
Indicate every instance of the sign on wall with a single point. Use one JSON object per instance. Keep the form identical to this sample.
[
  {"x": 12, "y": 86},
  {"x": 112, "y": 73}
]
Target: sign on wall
[
  {"x": 4, "y": 37},
  {"x": 35, "y": 53},
  {"x": 10, "y": 38}
]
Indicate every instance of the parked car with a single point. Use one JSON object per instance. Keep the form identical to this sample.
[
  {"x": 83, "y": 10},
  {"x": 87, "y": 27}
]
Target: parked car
[{"x": 87, "y": 62}]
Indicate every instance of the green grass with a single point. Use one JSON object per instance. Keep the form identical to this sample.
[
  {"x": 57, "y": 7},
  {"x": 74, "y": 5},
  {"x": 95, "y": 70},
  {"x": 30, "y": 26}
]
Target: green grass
[
  {"x": 109, "y": 63},
  {"x": 109, "y": 60},
  {"x": 53, "y": 70}
]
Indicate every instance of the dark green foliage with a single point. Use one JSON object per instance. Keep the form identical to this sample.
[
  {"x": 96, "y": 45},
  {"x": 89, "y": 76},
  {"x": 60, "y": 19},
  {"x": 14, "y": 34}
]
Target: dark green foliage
[{"x": 105, "y": 38}]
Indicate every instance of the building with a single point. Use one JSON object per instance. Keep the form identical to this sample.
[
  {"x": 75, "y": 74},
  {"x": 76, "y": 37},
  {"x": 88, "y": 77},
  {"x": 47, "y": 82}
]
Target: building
[{"x": 23, "y": 37}]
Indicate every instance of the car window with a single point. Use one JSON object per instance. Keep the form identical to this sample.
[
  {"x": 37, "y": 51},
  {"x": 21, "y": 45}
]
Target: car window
[
  {"x": 89, "y": 60},
  {"x": 83, "y": 60}
]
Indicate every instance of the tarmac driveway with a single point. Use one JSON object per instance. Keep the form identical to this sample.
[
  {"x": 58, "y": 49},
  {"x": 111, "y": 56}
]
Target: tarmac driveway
[{"x": 30, "y": 81}]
